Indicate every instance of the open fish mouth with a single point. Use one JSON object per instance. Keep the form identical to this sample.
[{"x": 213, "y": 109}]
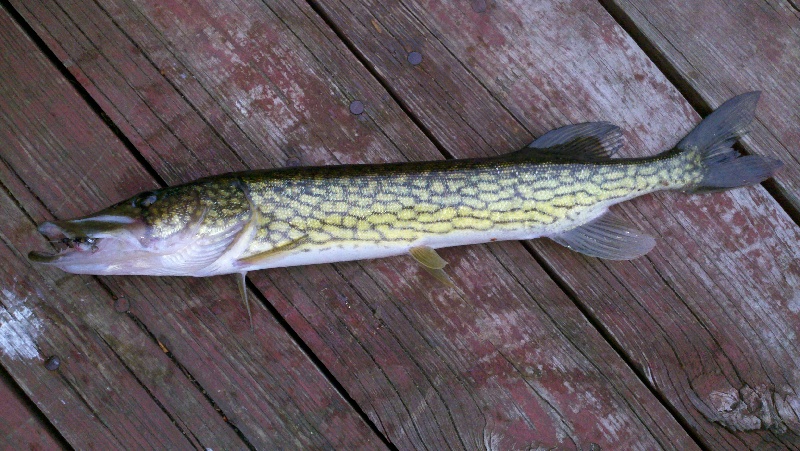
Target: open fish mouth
[{"x": 68, "y": 241}]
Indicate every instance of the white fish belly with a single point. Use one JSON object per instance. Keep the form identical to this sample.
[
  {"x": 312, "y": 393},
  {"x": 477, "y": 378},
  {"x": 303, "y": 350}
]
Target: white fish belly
[
  {"x": 349, "y": 251},
  {"x": 363, "y": 251}
]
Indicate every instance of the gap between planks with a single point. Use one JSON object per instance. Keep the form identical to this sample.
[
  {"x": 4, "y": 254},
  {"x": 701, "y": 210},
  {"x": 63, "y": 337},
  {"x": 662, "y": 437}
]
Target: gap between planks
[
  {"x": 185, "y": 371},
  {"x": 693, "y": 98},
  {"x": 37, "y": 415},
  {"x": 317, "y": 362},
  {"x": 353, "y": 48},
  {"x": 95, "y": 107},
  {"x": 85, "y": 96},
  {"x": 692, "y": 95}
]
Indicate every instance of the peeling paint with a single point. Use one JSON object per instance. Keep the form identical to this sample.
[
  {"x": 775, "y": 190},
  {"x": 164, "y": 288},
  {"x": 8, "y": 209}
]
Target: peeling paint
[
  {"x": 245, "y": 100},
  {"x": 19, "y": 328},
  {"x": 794, "y": 303},
  {"x": 747, "y": 408}
]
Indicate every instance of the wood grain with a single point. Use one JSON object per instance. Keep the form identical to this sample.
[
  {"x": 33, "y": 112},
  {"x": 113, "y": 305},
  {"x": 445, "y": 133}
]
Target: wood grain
[
  {"x": 91, "y": 390},
  {"x": 709, "y": 316},
  {"x": 752, "y": 46},
  {"x": 430, "y": 368},
  {"x": 21, "y": 425},
  {"x": 120, "y": 383}
]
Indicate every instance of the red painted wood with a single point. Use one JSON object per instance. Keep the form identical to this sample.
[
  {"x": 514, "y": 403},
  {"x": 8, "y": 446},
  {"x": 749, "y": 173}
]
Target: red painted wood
[
  {"x": 752, "y": 46},
  {"x": 21, "y": 427},
  {"x": 116, "y": 386},
  {"x": 430, "y": 367},
  {"x": 91, "y": 397},
  {"x": 708, "y": 317}
]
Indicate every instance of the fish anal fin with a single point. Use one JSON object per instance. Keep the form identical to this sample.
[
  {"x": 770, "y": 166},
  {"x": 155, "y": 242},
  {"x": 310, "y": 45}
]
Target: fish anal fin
[
  {"x": 242, "y": 284},
  {"x": 432, "y": 263},
  {"x": 606, "y": 237},
  {"x": 586, "y": 141}
]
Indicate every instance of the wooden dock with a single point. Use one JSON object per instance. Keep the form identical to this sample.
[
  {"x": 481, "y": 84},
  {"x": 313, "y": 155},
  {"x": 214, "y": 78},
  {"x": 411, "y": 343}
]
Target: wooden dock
[{"x": 694, "y": 346}]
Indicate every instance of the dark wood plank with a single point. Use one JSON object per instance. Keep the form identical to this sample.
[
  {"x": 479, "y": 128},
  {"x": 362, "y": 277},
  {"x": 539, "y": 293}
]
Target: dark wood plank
[
  {"x": 90, "y": 396},
  {"x": 117, "y": 387},
  {"x": 21, "y": 425},
  {"x": 92, "y": 389},
  {"x": 430, "y": 368},
  {"x": 708, "y": 317},
  {"x": 752, "y": 46}
]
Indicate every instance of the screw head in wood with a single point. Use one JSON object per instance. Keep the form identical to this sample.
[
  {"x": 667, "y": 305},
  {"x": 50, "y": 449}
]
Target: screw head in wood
[
  {"x": 356, "y": 107},
  {"x": 479, "y": 6},
  {"x": 414, "y": 58},
  {"x": 122, "y": 305},
  {"x": 52, "y": 363}
]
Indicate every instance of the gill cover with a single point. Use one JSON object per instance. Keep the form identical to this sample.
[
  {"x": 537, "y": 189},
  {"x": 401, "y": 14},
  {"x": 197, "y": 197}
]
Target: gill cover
[{"x": 173, "y": 231}]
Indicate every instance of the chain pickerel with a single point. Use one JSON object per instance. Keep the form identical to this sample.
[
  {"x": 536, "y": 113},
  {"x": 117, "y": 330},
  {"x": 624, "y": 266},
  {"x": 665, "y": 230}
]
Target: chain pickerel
[{"x": 560, "y": 186}]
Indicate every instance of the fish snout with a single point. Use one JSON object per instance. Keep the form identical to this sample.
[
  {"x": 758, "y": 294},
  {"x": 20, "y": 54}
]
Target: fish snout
[{"x": 84, "y": 237}]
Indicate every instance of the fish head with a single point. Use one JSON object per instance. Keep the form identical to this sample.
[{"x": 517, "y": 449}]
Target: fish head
[{"x": 172, "y": 231}]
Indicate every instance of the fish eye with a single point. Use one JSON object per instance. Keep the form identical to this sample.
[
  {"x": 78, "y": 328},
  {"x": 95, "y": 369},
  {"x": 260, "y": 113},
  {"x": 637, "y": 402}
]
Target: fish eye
[{"x": 145, "y": 200}]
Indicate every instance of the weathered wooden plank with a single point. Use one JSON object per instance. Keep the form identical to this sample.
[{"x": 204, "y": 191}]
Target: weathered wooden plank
[
  {"x": 116, "y": 387},
  {"x": 709, "y": 316},
  {"x": 89, "y": 396},
  {"x": 752, "y": 46},
  {"x": 430, "y": 368},
  {"x": 21, "y": 426},
  {"x": 92, "y": 390}
]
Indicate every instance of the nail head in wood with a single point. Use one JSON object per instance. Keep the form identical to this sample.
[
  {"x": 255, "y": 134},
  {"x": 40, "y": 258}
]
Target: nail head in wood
[
  {"x": 122, "y": 305},
  {"x": 52, "y": 363},
  {"x": 479, "y": 6},
  {"x": 356, "y": 107}
]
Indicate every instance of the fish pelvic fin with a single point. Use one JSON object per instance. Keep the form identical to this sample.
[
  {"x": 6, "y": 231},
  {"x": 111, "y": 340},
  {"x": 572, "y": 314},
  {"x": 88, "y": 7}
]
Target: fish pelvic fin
[
  {"x": 711, "y": 144},
  {"x": 241, "y": 283},
  {"x": 432, "y": 263}
]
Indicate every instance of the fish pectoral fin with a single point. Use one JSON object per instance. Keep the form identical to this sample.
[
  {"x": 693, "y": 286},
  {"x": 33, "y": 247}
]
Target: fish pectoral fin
[
  {"x": 263, "y": 257},
  {"x": 586, "y": 141},
  {"x": 606, "y": 237},
  {"x": 241, "y": 283},
  {"x": 432, "y": 263}
]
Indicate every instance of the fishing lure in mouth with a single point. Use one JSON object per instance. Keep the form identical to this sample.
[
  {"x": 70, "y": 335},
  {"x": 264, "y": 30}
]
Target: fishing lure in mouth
[{"x": 560, "y": 186}]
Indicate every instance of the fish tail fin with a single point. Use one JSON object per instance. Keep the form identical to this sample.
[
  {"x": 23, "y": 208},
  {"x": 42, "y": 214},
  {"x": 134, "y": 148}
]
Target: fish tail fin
[{"x": 710, "y": 145}]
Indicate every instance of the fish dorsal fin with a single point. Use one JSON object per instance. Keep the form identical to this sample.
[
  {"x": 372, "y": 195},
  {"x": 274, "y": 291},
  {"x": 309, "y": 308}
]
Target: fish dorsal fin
[
  {"x": 586, "y": 141},
  {"x": 606, "y": 237},
  {"x": 432, "y": 263}
]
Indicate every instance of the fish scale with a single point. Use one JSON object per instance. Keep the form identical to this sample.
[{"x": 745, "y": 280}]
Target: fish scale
[
  {"x": 406, "y": 203},
  {"x": 560, "y": 186}
]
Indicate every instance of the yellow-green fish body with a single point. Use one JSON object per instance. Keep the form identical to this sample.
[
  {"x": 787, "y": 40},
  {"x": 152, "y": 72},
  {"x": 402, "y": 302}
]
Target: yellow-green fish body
[
  {"x": 560, "y": 186},
  {"x": 326, "y": 214}
]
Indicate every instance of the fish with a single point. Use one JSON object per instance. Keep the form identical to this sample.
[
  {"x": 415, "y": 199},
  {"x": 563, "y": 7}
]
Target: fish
[{"x": 560, "y": 187}]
